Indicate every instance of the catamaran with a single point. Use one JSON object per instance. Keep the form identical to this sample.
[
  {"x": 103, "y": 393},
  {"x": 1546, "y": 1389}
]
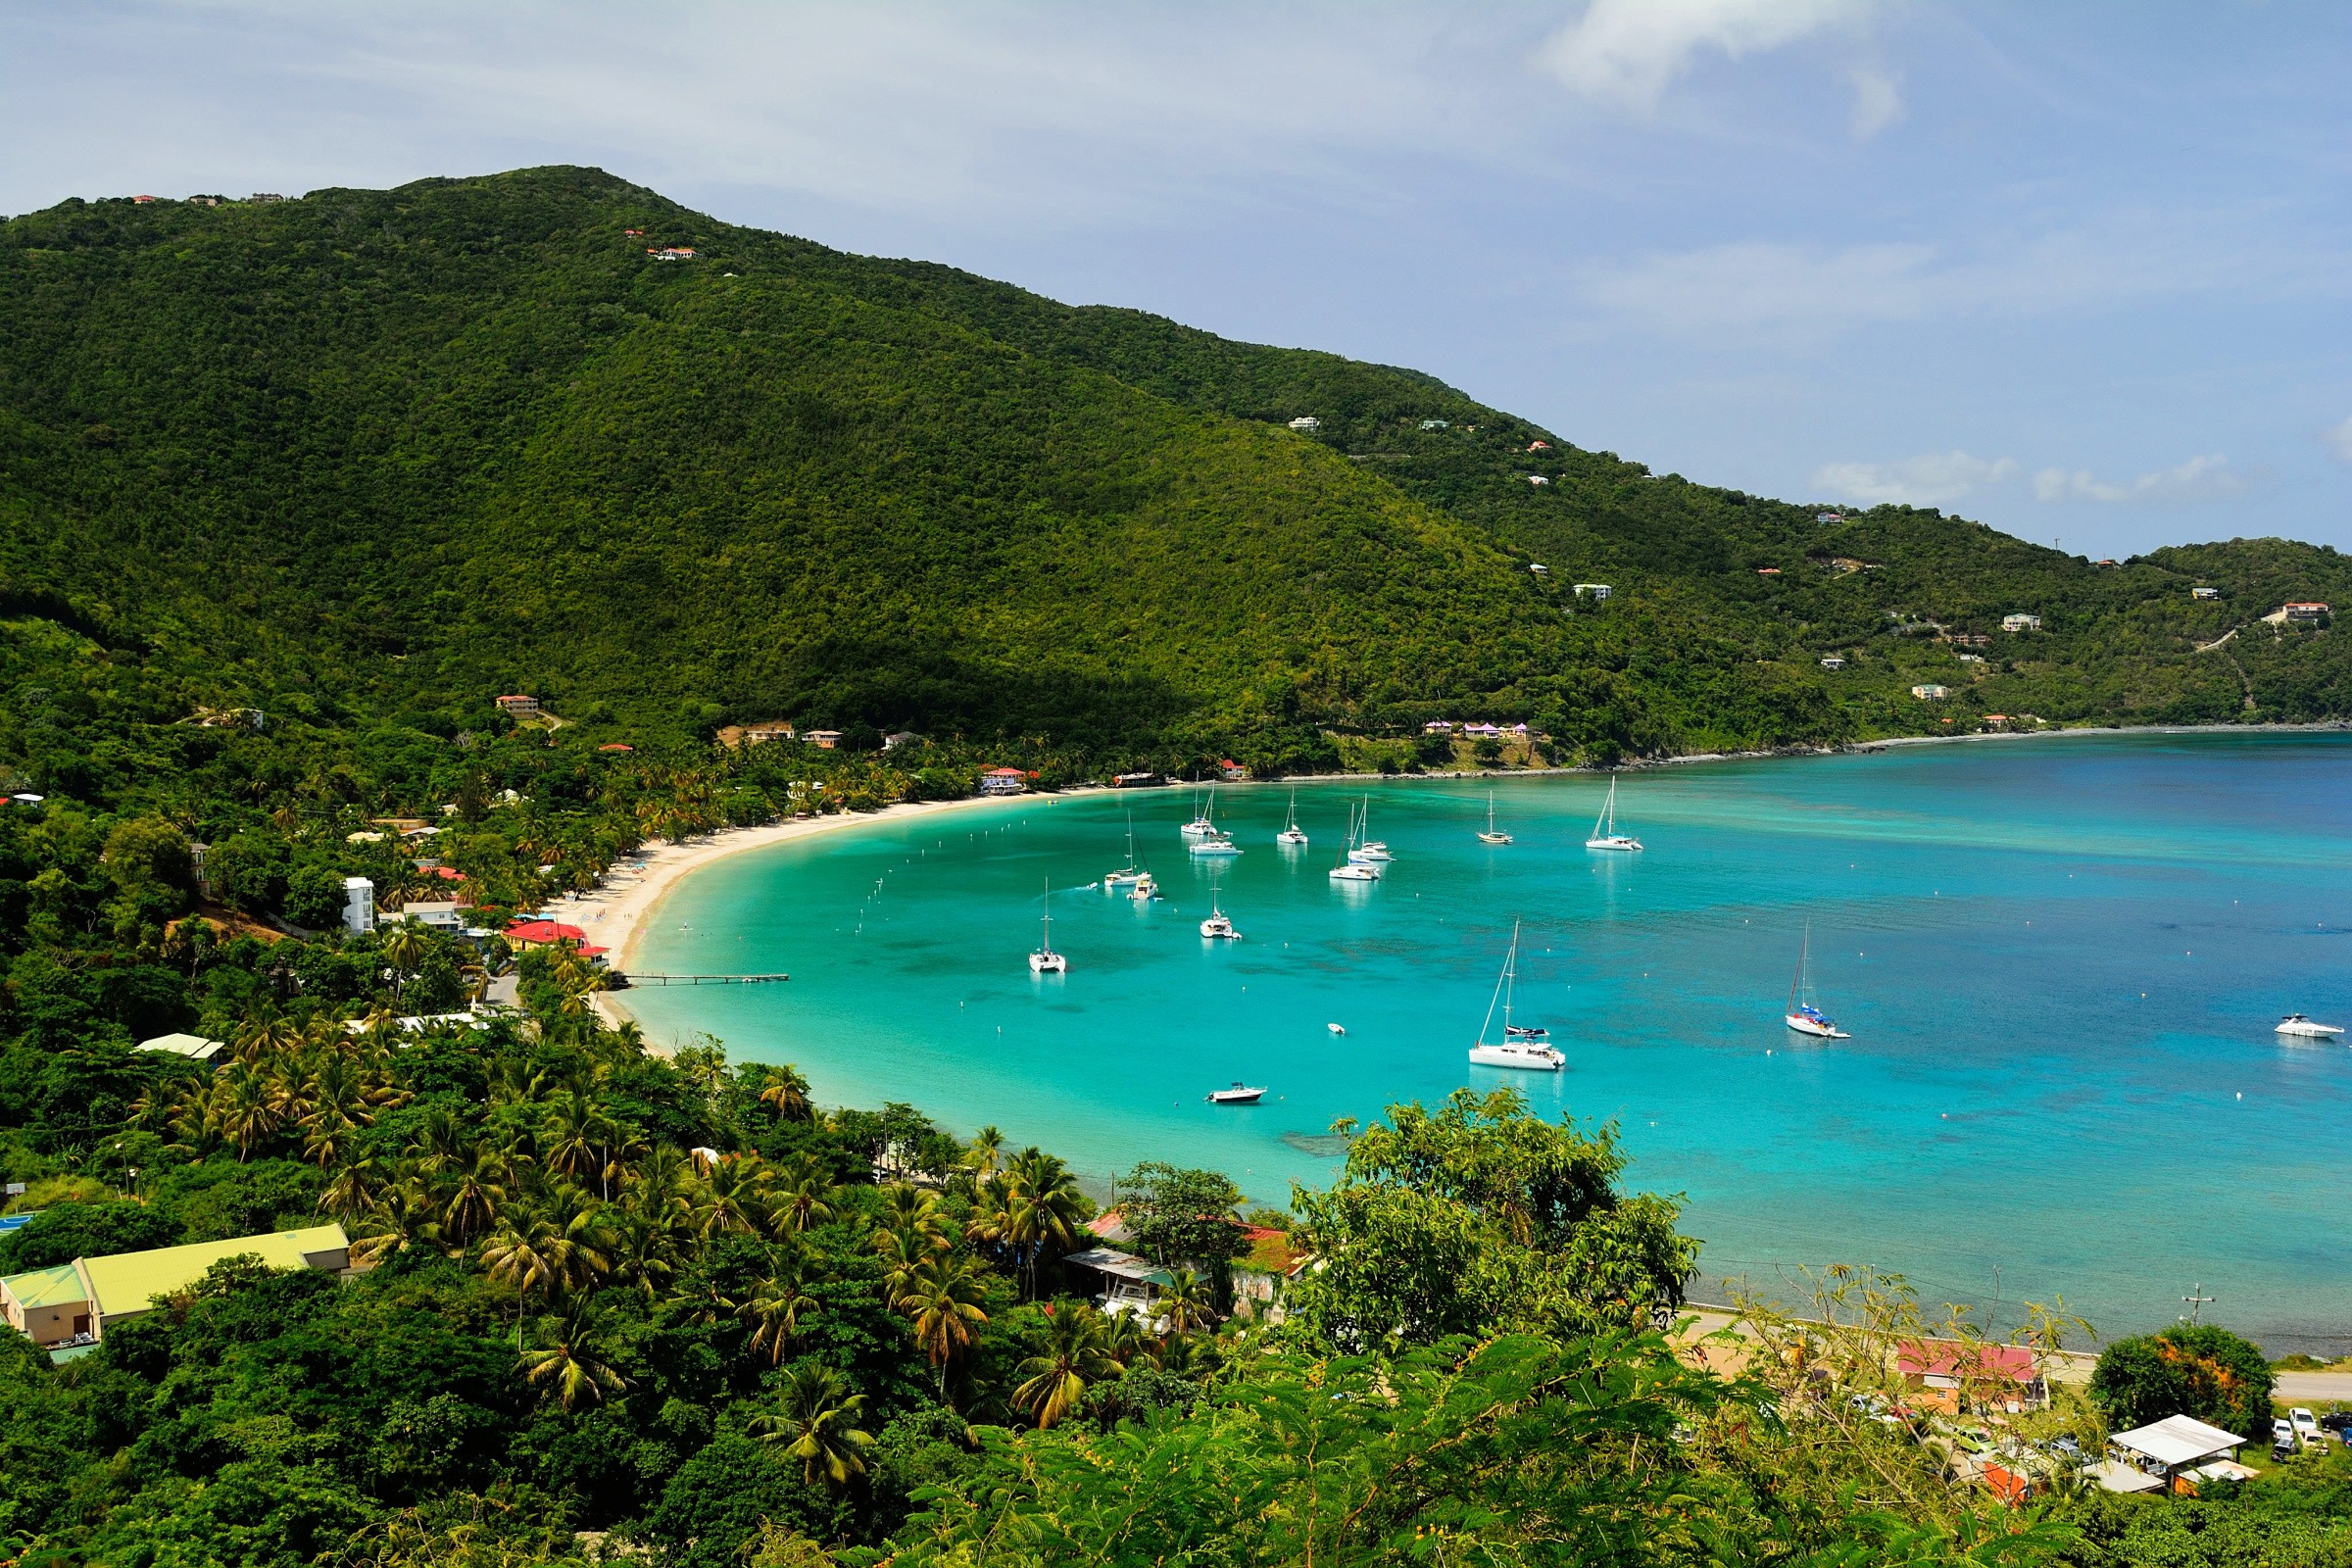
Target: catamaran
[
  {"x": 1204, "y": 820},
  {"x": 1045, "y": 961},
  {"x": 1349, "y": 868},
  {"x": 1371, "y": 851},
  {"x": 2294, "y": 1023},
  {"x": 1804, "y": 1016},
  {"x": 1493, "y": 834},
  {"x": 1218, "y": 926},
  {"x": 1523, "y": 1046},
  {"x": 1604, "y": 827},
  {"x": 1291, "y": 836},
  {"x": 1128, "y": 876},
  {"x": 1219, "y": 843}
]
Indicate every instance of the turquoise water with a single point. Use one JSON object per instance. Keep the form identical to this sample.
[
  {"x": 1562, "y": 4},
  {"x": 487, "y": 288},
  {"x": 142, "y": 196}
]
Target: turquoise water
[{"x": 2060, "y": 961}]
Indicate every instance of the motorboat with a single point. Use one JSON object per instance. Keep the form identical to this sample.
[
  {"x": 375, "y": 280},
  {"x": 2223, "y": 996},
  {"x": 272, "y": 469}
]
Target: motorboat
[
  {"x": 1524, "y": 1047},
  {"x": 1240, "y": 1094},
  {"x": 2302, "y": 1028},
  {"x": 1804, "y": 1016},
  {"x": 1493, "y": 834},
  {"x": 1291, "y": 836},
  {"x": 1336, "y": 1029},
  {"x": 1145, "y": 890},
  {"x": 1605, "y": 835},
  {"x": 1045, "y": 961}
]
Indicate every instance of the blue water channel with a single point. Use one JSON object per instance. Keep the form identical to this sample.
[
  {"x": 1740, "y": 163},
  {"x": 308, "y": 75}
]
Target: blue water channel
[{"x": 2060, "y": 960}]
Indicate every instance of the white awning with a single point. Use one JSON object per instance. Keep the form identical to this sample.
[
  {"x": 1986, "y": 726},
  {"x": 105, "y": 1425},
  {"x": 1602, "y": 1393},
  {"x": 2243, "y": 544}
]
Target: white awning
[{"x": 2179, "y": 1439}]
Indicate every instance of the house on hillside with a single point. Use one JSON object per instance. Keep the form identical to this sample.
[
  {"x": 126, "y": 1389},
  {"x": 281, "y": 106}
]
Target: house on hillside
[
  {"x": 761, "y": 734},
  {"x": 902, "y": 737},
  {"x": 823, "y": 738},
  {"x": 1829, "y": 516},
  {"x": 1930, "y": 692},
  {"x": 517, "y": 706},
  {"x": 1595, "y": 590},
  {"x": 1438, "y": 726},
  {"x": 1004, "y": 781},
  {"x": 1833, "y": 661},
  {"x": 671, "y": 252},
  {"x": 359, "y": 906},
  {"x": 2174, "y": 1453},
  {"x": 2305, "y": 614},
  {"x": 1306, "y": 424},
  {"x": 2020, "y": 622},
  {"x": 73, "y": 1304},
  {"x": 194, "y": 1047},
  {"x": 1437, "y": 424},
  {"x": 2204, "y": 593},
  {"x": 1539, "y": 446},
  {"x": 616, "y": 745}
]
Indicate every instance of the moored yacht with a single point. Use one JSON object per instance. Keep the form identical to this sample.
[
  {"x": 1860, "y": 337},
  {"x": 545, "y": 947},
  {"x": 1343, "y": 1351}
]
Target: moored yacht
[
  {"x": 1219, "y": 927},
  {"x": 1240, "y": 1094},
  {"x": 1524, "y": 1046},
  {"x": 1605, "y": 835},
  {"x": 1145, "y": 890},
  {"x": 1219, "y": 843},
  {"x": 1045, "y": 961},
  {"x": 1349, "y": 868},
  {"x": 1804, "y": 1016},
  {"x": 1128, "y": 876},
  {"x": 1291, "y": 836},
  {"x": 2294, "y": 1023},
  {"x": 1204, "y": 820},
  {"x": 1493, "y": 834}
]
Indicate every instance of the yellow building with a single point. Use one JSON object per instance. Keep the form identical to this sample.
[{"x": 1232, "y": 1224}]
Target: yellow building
[{"x": 74, "y": 1303}]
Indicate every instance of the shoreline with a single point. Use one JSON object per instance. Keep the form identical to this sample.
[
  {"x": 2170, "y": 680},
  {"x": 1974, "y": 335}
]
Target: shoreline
[{"x": 616, "y": 915}]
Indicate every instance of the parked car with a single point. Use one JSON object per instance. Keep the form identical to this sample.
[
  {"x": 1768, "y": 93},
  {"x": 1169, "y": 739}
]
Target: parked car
[
  {"x": 2307, "y": 1427},
  {"x": 2336, "y": 1421},
  {"x": 2283, "y": 1438}
]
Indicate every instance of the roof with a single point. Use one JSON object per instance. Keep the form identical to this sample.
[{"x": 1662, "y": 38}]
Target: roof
[
  {"x": 1005, "y": 772},
  {"x": 193, "y": 1047},
  {"x": 127, "y": 1282},
  {"x": 2179, "y": 1439},
  {"x": 46, "y": 1287},
  {"x": 1950, "y": 1359},
  {"x": 616, "y": 745},
  {"x": 2113, "y": 1475},
  {"x": 1126, "y": 1266},
  {"x": 542, "y": 931}
]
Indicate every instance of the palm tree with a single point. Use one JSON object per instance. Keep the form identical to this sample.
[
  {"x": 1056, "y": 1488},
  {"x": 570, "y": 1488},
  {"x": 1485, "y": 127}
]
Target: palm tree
[
  {"x": 1128, "y": 1342},
  {"x": 1042, "y": 1204},
  {"x": 816, "y": 1424},
  {"x": 474, "y": 1196},
  {"x": 775, "y": 1310},
  {"x": 734, "y": 1197},
  {"x": 786, "y": 1093},
  {"x": 405, "y": 946},
  {"x": 1185, "y": 1304},
  {"x": 986, "y": 1151},
  {"x": 574, "y": 1368},
  {"x": 804, "y": 1197},
  {"x": 352, "y": 1190},
  {"x": 1077, "y": 1351},
  {"x": 942, "y": 1303},
  {"x": 247, "y": 1111},
  {"x": 643, "y": 1253}
]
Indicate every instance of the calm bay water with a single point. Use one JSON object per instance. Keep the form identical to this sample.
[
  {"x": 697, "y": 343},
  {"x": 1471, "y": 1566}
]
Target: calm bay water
[{"x": 2060, "y": 961}]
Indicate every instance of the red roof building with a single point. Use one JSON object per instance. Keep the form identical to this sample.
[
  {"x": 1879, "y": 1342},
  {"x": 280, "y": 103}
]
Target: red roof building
[
  {"x": 616, "y": 745},
  {"x": 539, "y": 933}
]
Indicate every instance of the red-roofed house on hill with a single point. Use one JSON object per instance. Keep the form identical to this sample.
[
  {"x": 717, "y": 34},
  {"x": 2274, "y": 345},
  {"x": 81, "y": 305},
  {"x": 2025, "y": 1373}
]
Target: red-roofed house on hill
[
  {"x": 518, "y": 706},
  {"x": 1950, "y": 1375}
]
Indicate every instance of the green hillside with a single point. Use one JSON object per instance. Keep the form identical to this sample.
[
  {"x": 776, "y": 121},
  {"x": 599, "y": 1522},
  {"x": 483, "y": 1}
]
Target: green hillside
[{"x": 380, "y": 453}]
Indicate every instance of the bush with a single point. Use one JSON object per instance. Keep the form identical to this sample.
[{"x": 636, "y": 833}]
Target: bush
[
  {"x": 70, "y": 1231},
  {"x": 2199, "y": 1370}
]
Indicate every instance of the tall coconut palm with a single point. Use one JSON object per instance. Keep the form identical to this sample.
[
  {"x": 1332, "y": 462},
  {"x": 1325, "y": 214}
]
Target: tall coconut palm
[
  {"x": 986, "y": 1151},
  {"x": 246, "y": 1110},
  {"x": 775, "y": 1308},
  {"x": 1077, "y": 1353},
  {"x": 1042, "y": 1206},
  {"x": 733, "y": 1195},
  {"x": 942, "y": 1302},
  {"x": 1185, "y": 1304},
  {"x": 405, "y": 946},
  {"x": 786, "y": 1093},
  {"x": 645, "y": 1254},
  {"x": 803, "y": 1196},
  {"x": 472, "y": 1197},
  {"x": 815, "y": 1423},
  {"x": 352, "y": 1190},
  {"x": 574, "y": 1368}
]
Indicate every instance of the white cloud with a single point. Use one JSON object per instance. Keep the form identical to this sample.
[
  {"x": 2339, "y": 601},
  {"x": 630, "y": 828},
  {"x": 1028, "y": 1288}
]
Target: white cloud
[
  {"x": 2198, "y": 479},
  {"x": 2339, "y": 439},
  {"x": 1878, "y": 100},
  {"x": 1629, "y": 52},
  {"x": 1932, "y": 479}
]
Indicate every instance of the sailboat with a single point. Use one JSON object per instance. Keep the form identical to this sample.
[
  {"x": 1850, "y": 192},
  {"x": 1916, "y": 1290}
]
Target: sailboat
[
  {"x": 1349, "y": 868},
  {"x": 1045, "y": 961},
  {"x": 1804, "y": 1016},
  {"x": 1128, "y": 876},
  {"x": 1291, "y": 836},
  {"x": 1604, "y": 827},
  {"x": 1523, "y": 1046},
  {"x": 1493, "y": 834},
  {"x": 1217, "y": 927},
  {"x": 1371, "y": 851},
  {"x": 1205, "y": 820}
]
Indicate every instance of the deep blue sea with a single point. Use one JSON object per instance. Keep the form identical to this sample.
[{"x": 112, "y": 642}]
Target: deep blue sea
[{"x": 2060, "y": 960}]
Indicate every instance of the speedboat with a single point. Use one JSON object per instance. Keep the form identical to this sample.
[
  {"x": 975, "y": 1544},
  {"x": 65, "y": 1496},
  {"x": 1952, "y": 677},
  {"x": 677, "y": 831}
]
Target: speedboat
[
  {"x": 1493, "y": 834},
  {"x": 1802, "y": 1015},
  {"x": 1239, "y": 1095},
  {"x": 1045, "y": 961},
  {"x": 1146, "y": 890},
  {"x": 1604, "y": 827},
  {"x": 2294, "y": 1023},
  {"x": 1291, "y": 836},
  {"x": 1524, "y": 1047}
]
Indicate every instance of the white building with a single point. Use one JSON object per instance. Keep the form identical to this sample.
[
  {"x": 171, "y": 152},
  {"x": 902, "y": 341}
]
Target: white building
[
  {"x": 1931, "y": 693},
  {"x": 1307, "y": 423},
  {"x": 2020, "y": 622},
  {"x": 1437, "y": 424},
  {"x": 1833, "y": 661},
  {"x": 1598, "y": 590},
  {"x": 2204, "y": 593},
  {"x": 358, "y": 904},
  {"x": 1004, "y": 781}
]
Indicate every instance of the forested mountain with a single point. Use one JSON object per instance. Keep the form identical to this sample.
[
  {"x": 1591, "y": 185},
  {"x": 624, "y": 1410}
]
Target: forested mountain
[{"x": 369, "y": 453}]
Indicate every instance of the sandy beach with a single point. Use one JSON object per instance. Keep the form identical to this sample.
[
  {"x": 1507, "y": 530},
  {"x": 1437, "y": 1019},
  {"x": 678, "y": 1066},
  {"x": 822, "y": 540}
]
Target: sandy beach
[{"x": 617, "y": 913}]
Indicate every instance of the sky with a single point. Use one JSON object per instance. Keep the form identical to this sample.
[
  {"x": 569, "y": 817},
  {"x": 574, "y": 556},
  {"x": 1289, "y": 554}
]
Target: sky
[{"x": 2080, "y": 272}]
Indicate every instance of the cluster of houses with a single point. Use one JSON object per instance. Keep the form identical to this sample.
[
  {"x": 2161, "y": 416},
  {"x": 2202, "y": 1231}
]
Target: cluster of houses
[{"x": 1475, "y": 731}]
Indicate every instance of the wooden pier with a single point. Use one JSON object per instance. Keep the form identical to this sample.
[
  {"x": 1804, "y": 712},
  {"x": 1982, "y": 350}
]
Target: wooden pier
[{"x": 630, "y": 980}]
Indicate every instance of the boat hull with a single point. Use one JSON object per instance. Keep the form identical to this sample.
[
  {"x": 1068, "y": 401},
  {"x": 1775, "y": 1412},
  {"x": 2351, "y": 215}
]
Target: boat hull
[
  {"x": 1522, "y": 1058},
  {"x": 1493, "y": 838},
  {"x": 1049, "y": 963},
  {"x": 1819, "y": 1029},
  {"x": 1615, "y": 841},
  {"x": 2308, "y": 1031},
  {"x": 1291, "y": 839},
  {"x": 1236, "y": 1096},
  {"x": 1353, "y": 873},
  {"x": 1210, "y": 850}
]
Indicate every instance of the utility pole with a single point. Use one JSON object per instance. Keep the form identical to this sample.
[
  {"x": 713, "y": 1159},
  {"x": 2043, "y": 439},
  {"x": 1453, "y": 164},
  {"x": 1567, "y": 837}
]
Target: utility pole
[{"x": 2195, "y": 1300}]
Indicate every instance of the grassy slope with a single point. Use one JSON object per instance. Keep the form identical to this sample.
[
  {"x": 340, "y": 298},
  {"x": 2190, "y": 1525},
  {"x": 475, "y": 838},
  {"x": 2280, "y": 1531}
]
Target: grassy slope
[{"x": 381, "y": 450}]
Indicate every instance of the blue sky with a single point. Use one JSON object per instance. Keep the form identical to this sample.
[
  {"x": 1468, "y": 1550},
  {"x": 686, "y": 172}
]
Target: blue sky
[{"x": 2078, "y": 270}]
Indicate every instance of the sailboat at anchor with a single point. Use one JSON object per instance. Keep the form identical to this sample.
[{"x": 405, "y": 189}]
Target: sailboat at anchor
[{"x": 1803, "y": 1015}]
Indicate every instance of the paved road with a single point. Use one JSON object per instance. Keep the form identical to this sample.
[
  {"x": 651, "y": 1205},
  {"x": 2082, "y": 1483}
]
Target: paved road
[{"x": 2315, "y": 1385}]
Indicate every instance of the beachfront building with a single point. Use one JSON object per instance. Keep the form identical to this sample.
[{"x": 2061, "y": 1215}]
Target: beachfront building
[
  {"x": 193, "y": 1047},
  {"x": 1116, "y": 1281},
  {"x": 1930, "y": 692},
  {"x": 1004, "y": 781},
  {"x": 73, "y": 1304},
  {"x": 2175, "y": 1453},
  {"x": 2020, "y": 622},
  {"x": 1955, "y": 1378},
  {"x": 516, "y": 706}
]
